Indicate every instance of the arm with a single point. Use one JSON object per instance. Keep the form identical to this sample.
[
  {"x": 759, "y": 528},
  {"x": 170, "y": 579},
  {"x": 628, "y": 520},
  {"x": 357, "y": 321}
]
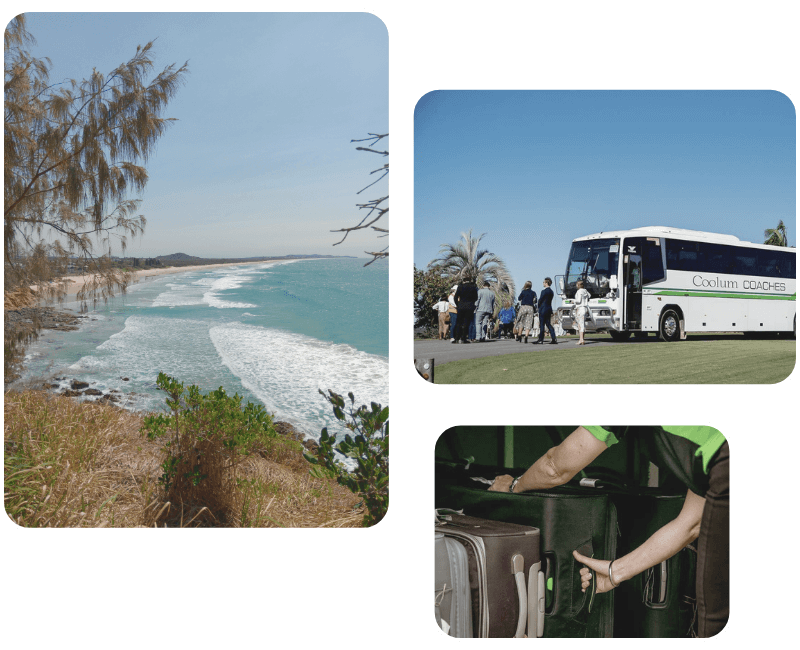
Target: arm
[
  {"x": 666, "y": 541},
  {"x": 558, "y": 465},
  {"x": 662, "y": 545}
]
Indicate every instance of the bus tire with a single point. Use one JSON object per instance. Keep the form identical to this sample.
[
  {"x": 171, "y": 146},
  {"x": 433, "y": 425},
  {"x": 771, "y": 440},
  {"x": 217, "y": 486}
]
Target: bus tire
[
  {"x": 670, "y": 325},
  {"x": 618, "y": 337}
]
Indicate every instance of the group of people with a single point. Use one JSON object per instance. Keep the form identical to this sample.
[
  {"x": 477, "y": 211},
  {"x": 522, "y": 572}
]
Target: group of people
[{"x": 468, "y": 313}]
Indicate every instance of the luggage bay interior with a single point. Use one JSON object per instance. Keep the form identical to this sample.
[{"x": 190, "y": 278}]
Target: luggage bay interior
[{"x": 630, "y": 500}]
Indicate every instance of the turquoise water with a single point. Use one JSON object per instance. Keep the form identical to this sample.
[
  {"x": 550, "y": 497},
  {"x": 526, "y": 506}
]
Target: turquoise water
[{"x": 275, "y": 333}]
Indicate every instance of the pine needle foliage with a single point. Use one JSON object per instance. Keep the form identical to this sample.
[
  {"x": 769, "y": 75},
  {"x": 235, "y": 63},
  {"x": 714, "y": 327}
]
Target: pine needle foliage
[
  {"x": 74, "y": 158},
  {"x": 74, "y": 154}
]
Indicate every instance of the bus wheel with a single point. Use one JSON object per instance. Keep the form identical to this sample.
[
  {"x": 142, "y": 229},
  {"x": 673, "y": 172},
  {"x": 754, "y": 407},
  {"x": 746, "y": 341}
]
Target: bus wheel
[
  {"x": 618, "y": 337},
  {"x": 670, "y": 329}
]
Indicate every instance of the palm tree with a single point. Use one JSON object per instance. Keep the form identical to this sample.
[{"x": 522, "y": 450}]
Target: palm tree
[
  {"x": 776, "y": 236},
  {"x": 466, "y": 261}
]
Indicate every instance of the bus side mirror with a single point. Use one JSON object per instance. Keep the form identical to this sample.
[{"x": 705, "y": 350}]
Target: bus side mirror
[
  {"x": 612, "y": 283},
  {"x": 561, "y": 285}
]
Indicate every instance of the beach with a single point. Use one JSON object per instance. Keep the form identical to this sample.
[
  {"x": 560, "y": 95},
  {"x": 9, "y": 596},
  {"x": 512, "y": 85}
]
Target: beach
[
  {"x": 275, "y": 332},
  {"x": 76, "y": 282}
]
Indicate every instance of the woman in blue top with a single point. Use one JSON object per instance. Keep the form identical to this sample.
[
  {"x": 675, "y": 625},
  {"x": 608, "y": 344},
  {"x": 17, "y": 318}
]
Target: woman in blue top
[
  {"x": 506, "y": 318},
  {"x": 699, "y": 457},
  {"x": 527, "y": 300}
]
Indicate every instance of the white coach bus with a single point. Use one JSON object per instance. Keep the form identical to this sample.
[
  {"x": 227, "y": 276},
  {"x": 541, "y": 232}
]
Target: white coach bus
[{"x": 673, "y": 282}]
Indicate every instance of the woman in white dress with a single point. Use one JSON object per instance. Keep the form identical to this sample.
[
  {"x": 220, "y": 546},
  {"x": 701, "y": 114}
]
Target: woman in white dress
[{"x": 581, "y": 309}]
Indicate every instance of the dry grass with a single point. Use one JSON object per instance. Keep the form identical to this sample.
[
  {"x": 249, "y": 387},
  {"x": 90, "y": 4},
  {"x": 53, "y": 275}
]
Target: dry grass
[
  {"x": 19, "y": 298},
  {"x": 70, "y": 464}
]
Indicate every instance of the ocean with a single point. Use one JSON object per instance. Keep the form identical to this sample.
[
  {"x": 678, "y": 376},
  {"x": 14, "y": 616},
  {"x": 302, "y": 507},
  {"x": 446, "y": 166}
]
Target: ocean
[{"x": 275, "y": 333}]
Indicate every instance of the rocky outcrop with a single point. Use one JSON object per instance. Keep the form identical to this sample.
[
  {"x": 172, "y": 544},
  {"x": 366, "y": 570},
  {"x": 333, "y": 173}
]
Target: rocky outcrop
[
  {"x": 78, "y": 388},
  {"x": 290, "y": 432},
  {"x": 47, "y": 318}
]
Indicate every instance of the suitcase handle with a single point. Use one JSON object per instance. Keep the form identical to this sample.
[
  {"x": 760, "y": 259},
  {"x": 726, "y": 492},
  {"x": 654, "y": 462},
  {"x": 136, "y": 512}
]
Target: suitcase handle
[
  {"x": 518, "y": 569},
  {"x": 536, "y": 605}
]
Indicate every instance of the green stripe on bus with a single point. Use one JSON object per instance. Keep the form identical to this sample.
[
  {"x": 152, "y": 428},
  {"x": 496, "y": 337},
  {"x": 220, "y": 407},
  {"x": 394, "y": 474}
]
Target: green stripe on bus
[{"x": 691, "y": 293}]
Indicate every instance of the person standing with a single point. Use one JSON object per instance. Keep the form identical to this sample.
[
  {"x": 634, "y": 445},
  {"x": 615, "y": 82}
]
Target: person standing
[
  {"x": 453, "y": 311},
  {"x": 442, "y": 308},
  {"x": 581, "y": 309},
  {"x": 527, "y": 301},
  {"x": 484, "y": 309},
  {"x": 466, "y": 297},
  {"x": 546, "y": 312}
]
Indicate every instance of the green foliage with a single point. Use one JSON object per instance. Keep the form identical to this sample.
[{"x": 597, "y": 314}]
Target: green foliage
[
  {"x": 429, "y": 287},
  {"x": 368, "y": 447},
  {"x": 205, "y": 432}
]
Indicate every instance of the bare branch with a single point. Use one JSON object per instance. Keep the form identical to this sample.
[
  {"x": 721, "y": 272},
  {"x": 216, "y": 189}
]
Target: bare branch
[
  {"x": 375, "y": 210},
  {"x": 377, "y": 256},
  {"x": 382, "y": 153}
]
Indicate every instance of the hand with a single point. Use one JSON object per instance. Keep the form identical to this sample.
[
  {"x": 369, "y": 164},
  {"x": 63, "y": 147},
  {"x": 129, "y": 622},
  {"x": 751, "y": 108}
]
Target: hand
[
  {"x": 601, "y": 569},
  {"x": 501, "y": 483}
]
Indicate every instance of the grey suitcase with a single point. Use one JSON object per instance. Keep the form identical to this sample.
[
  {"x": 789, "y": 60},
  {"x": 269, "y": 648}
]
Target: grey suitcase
[
  {"x": 452, "y": 593},
  {"x": 505, "y": 577}
]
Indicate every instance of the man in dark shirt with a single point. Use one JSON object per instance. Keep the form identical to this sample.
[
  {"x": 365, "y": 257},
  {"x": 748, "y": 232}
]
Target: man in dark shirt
[
  {"x": 466, "y": 297},
  {"x": 546, "y": 312}
]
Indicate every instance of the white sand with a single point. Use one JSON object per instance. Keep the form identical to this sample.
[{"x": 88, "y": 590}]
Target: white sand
[{"x": 77, "y": 281}]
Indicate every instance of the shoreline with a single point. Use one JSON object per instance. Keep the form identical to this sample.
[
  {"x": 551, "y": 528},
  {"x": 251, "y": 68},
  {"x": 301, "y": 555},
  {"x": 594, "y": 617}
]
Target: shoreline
[
  {"x": 78, "y": 281},
  {"x": 122, "y": 396}
]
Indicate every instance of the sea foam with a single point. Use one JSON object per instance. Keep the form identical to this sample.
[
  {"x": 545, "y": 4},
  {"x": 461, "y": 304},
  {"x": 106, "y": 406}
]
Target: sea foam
[
  {"x": 146, "y": 346},
  {"x": 286, "y": 370}
]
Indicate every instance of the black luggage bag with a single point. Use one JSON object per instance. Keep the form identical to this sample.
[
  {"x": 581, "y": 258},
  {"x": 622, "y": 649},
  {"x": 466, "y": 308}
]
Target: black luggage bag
[
  {"x": 569, "y": 518},
  {"x": 659, "y": 602},
  {"x": 505, "y": 578}
]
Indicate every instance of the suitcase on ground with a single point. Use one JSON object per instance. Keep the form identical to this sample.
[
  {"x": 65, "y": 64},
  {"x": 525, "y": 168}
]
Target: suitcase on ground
[
  {"x": 505, "y": 577},
  {"x": 569, "y": 518}
]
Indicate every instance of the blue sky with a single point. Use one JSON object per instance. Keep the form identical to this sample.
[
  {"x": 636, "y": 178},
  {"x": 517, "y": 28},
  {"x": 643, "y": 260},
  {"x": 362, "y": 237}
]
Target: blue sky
[
  {"x": 260, "y": 161},
  {"x": 535, "y": 169}
]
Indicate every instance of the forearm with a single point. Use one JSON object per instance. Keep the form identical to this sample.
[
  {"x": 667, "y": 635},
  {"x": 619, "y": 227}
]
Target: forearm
[
  {"x": 664, "y": 543},
  {"x": 542, "y": 475},
  {"x": 562, "y": 462}
]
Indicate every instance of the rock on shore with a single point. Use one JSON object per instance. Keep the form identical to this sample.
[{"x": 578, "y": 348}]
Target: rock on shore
[
  {"x": 289, "y": 431},
  {"x": 47, "y": 318},
  {"x": 81, "y": 389}
]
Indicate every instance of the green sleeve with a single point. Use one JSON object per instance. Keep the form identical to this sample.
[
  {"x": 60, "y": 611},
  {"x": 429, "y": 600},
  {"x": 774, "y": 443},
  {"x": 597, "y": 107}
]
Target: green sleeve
[
  {"x": 603, "y": 434},
  {"x": 708, "y": 440}
]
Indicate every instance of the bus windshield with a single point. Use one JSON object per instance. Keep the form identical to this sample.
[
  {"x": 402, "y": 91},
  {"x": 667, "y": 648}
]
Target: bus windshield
[{"x": 593, "y": 261}]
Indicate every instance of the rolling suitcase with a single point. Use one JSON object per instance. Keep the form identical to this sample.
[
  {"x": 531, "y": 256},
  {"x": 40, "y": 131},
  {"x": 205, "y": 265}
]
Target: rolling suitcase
[
  {"x": 505, "y": 578},
  {"x": 452, "y": 593},
  {"x": 569, "y": 518}
]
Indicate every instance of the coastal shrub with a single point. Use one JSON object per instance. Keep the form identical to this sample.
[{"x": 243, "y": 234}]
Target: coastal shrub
[
  {"x": 368, "y": 448},
  {"x": 204, "y": 439}
]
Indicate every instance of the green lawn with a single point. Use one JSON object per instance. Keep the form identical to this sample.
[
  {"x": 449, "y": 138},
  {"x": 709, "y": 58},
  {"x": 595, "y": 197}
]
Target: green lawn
[{"x": 726, "y": 361}]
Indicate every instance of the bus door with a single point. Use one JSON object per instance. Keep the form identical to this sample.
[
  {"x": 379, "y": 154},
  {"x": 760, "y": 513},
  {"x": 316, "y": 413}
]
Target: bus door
[{"x": 632, "y": 273}]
